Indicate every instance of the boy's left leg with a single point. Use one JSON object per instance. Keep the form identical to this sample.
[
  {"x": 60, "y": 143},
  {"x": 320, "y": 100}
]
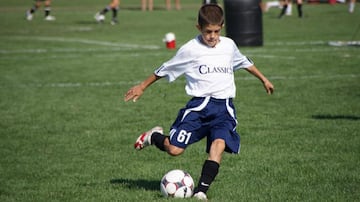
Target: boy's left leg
[
  {"x": 114, "y": 8},
  {"x": 114, "y": 16},
  {"x": 210, "y": 168}
]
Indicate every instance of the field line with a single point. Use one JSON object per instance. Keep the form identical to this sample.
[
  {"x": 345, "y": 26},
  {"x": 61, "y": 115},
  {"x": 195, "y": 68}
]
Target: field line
[
  {"x": 295, "y": 43},
  {"x": 88, "y": 41}
]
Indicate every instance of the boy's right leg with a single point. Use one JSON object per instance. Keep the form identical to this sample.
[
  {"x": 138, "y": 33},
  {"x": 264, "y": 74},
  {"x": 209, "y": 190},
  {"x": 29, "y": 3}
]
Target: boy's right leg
[
  {"x": 156, "y": 137},
  {"x": 147, "y": 138}
]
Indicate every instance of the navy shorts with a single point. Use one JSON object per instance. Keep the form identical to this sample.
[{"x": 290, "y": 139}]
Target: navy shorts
[{"x": 206, "y": 117}]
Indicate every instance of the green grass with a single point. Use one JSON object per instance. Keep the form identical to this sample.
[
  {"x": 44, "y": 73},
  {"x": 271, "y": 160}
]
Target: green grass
[{"x": 67, "y": 135}]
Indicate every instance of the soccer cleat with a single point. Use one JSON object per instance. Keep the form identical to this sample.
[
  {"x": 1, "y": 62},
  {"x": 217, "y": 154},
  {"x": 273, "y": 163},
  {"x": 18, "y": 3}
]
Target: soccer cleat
[
  {"x": 28, "y": 16},
  {"x": 200, "y": 195},
  {"x": 145, "y": 138},
  {"x": 99, "y": 17},
  {"x": 50, "y": 18}
]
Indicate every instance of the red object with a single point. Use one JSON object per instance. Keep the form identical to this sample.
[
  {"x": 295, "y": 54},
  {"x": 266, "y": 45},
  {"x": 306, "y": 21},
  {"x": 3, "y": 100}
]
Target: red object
[
  {"x": 332, "y": 1},
  {"x": 171, "y": 44}
]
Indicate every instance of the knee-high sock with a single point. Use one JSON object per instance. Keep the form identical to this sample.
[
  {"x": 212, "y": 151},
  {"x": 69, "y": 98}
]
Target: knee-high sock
[
  {"x": 299, "y": 8},
  {"x": 209, "y": 172},
  {"x": 158, "y": 139},
  {"x": 283, "y": 11}
]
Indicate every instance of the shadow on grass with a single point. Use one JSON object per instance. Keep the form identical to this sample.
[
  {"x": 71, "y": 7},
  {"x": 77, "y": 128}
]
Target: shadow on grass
[
  {"x": 336, "y": 117},
  {"x": 152, "y": 185}
]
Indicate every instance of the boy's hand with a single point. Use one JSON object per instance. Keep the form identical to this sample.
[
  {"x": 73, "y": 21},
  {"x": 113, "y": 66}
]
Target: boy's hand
[
  {"x": 134, "y": 93},
  {"x": 267, "y": 84},
  {"x": 269, "y": 87}
]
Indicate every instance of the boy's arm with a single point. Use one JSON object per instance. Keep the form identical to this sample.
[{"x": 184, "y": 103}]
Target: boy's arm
[
  {"x": 267, "y": 84},
  {"x": 136, "y": 91}
]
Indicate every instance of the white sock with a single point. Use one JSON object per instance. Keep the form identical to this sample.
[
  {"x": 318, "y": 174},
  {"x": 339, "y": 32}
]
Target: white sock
[
  {"x": 351, "y": 7},
  {"x": 289, "y": 9}
]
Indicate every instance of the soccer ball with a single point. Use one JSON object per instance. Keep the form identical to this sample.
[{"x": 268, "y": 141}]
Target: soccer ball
[
  {"x": 177, "y": 184},
  {"x": 99, "y": 17}
]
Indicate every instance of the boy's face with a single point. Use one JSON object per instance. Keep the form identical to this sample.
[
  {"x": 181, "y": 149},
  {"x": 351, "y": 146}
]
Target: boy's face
[{"x": 210, "y": 34}]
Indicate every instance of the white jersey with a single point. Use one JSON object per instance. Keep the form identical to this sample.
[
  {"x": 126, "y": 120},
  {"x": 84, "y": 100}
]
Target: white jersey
[{"x": 209, "y": 71}]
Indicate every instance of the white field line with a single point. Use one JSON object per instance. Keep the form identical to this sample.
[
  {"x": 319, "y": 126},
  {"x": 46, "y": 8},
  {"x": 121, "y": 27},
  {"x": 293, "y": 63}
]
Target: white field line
[
  {"x": 295, "y": 43},
  {"x": 271, "y": 56},
  {"x": 10, "y": 55},
  {"x": 129, "y": 83},
  {"x": 301, "y": 50},
  {"x": 88, "y": 41}
]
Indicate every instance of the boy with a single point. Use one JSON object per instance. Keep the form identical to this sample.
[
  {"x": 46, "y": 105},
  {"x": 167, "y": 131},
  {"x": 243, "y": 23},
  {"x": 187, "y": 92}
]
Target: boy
[
  {"x": 114, "y": 7},
  {"x": 30, "y": 13},
  {"x": 208, "y": 62},
  {"x": 288, "y": 3}
]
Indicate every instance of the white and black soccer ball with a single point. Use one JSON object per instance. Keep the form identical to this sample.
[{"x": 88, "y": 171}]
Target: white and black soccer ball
[
  {"x": 177, "y": 183},
  {"x": 99, "y": 17}
]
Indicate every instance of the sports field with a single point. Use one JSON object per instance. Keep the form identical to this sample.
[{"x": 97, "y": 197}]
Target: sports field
[{"x": 67, "y": 135}]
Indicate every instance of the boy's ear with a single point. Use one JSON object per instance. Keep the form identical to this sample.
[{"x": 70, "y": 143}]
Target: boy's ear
[{"x": 198, "y": 27}]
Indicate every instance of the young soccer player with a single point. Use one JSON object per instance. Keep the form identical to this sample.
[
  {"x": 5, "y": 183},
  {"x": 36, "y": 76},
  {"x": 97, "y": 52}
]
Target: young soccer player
[
  {"x": 288, "y": 3},
  {"x": 208, "y": 62},
  {"x": 147, "y": 5},
  {"x": 114, "y": 7},
  {"x": 47, "y": 4}
]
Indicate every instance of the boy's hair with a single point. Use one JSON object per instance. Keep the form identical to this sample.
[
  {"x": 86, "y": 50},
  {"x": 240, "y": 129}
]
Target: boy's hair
[{"x": 210, "y": 14}]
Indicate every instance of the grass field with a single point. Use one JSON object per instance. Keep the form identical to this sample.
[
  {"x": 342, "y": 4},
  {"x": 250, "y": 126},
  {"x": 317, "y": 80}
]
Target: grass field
[{"x": 67, "y": 135}]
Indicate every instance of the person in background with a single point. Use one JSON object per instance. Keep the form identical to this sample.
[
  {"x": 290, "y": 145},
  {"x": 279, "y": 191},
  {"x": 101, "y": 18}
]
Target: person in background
[
  {"x": 278, "y": 4},
  {"x": 269, "y": 4},
  {"x": 114, "y": 7},
  {"x": 47, "y": 8},
  {"x": 352, "y": 6},
  {"x": 147, "y": 5},
  {"x": 177, "y": 5},
  {"x": 287, "y": 3}
]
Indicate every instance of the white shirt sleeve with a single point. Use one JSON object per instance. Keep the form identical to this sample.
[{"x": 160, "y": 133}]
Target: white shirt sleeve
[
  {"x": 176, "y": 66},
  {"x": 241, "y": 61}
]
